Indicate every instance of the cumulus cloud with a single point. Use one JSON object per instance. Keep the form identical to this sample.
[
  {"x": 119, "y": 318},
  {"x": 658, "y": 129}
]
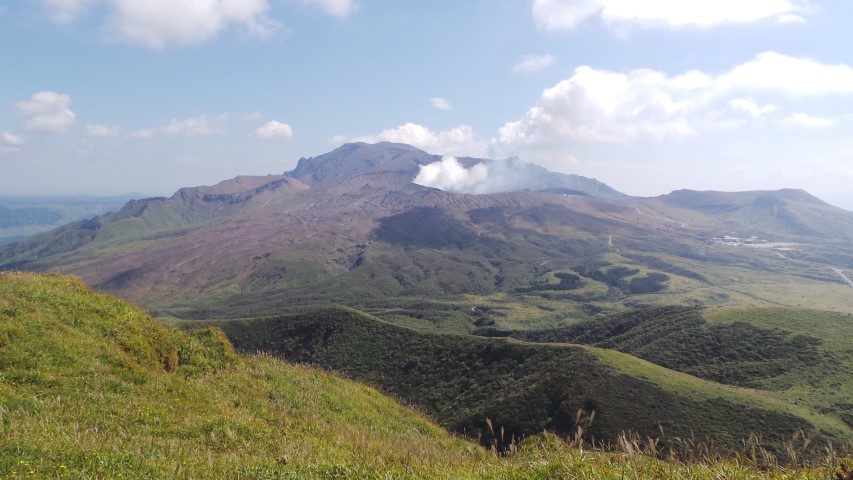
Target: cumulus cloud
[
  {"x": 204, "y": 125},
  {"x": 564, "y": 14},
  {"x": 595, "y": 105},
  {"x": 749, "y": 107},
  {"x": 738, "y": 112},
  {"x": 48, "y": 112},
  {"x": 338, "y": 8},
  {"x": 533, "y": 63},
  {"x": 791, "y": 75},
  {"x": 161, "y": 23},
  {"x": 568, "y": 14},
  {"x": 274, "y": 129},
  {"x": 604, "y": 106},
  {"x": 13, "y": 140},
  {"x": 457, "y": 141},
  {"x": 101, "y": 131},
  {"x": 807, "y": 121},
  {"x": 440, "y": 104},
  {"x": 789, "y": 18}
]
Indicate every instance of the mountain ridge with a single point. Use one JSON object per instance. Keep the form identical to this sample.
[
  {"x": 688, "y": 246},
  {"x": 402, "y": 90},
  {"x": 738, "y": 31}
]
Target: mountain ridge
[
  {"x": 270, "y": 235},
  {"x": 459, "y": 265}
]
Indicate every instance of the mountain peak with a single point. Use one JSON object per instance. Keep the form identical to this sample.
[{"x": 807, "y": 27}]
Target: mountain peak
[
  {"x": 405, "y": 161},
  {"x": 354, "y": 159}
]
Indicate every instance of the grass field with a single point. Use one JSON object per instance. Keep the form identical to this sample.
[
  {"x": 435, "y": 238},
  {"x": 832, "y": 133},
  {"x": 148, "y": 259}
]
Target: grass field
[{"x": 92, "y": 388}]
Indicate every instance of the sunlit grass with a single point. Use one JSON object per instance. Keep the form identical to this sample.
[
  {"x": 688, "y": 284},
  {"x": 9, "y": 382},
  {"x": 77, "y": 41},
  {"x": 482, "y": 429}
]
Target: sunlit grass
[{"x": 91, "y": 388}]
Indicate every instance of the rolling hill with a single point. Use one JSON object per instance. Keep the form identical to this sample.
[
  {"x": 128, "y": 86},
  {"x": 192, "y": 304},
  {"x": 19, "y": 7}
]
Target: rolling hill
[
  {"x": 526, "y": 387},
  {"x": 94, "y": 388},
  {"x": 788, "y": 211}
]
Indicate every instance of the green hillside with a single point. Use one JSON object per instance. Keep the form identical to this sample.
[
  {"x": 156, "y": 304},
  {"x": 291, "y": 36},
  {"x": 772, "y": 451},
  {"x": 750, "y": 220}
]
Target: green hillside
[
  {"x": 527, "y": 387},
  {"x": 92, "y": 388},
  {"x": 800, "y": 356}
]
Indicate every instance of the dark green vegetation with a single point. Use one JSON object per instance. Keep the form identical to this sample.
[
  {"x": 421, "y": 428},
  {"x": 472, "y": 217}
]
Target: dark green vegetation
[
  {"x": 679, "y": 338},
  {"x": 804, "y": 357},
  {"x": 93, "y": 388},
  {"x": 522, "y": 387}
]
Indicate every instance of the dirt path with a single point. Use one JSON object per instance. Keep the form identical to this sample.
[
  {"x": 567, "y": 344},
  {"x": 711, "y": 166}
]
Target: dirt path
[{"x": 841, "y": 273}]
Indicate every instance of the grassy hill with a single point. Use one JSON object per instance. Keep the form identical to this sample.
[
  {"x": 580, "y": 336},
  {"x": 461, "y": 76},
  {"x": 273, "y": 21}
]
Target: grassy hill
[
  {"x": 800, "y": 356},
  {"x": 526, "y": 387},
  {"x": 787, "y": 211},
  {"x": 93, "y": 388}
]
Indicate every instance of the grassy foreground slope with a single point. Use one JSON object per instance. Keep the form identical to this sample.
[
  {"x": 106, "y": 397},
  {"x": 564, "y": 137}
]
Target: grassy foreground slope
[
  {"x": 527, "y": 387},
  {"x": 91, "y": 387}
]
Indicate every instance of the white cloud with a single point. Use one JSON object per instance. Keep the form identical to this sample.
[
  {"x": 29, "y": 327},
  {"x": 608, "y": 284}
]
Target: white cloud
[
  {"x": 440, "y": 104},
  {"x": 594, "y": 106},
  {"x": 749, "y": 107},
  {"x": 101, "y": 131},
  {"x": 568, "y": 14},
  {"x": 737, "y": 113},
  {"x": 790, "y": 18},
  {"x": 457, "y": 141},
  {"x": 46, "y": 112},
  {"x": 204, "y": 125},
  {"x": 807, "y": 121},
  {"x": 162, "y": 23},
  {"x": 337, "y": 8},
  {"x": 692, "y": 80},
  {"x": 564, "y": 14},
  {"x": 13, "y": 140},
  {"x": 159, "y": 23},
  {"x": 274, "y": 129},
  {"x": 533, "y": 63},
  {"x": 791, "y": 75},
  {"x": 604, "y": 106}
]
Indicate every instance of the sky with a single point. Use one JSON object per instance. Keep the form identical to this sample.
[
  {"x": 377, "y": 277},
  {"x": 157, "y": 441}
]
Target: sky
[{"x": 147, "y": 96}]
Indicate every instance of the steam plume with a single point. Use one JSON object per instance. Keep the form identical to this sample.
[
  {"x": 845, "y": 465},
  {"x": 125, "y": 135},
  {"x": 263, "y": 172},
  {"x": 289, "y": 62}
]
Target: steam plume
[{"x": 495, "y": 176}]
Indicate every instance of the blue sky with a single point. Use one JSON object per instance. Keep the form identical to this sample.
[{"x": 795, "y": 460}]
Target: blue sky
[{"x": 116, "y": 96}]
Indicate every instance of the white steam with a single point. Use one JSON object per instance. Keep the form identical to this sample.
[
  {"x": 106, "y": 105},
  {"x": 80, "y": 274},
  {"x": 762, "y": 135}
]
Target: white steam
[{"x": 510, "y": 175}]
